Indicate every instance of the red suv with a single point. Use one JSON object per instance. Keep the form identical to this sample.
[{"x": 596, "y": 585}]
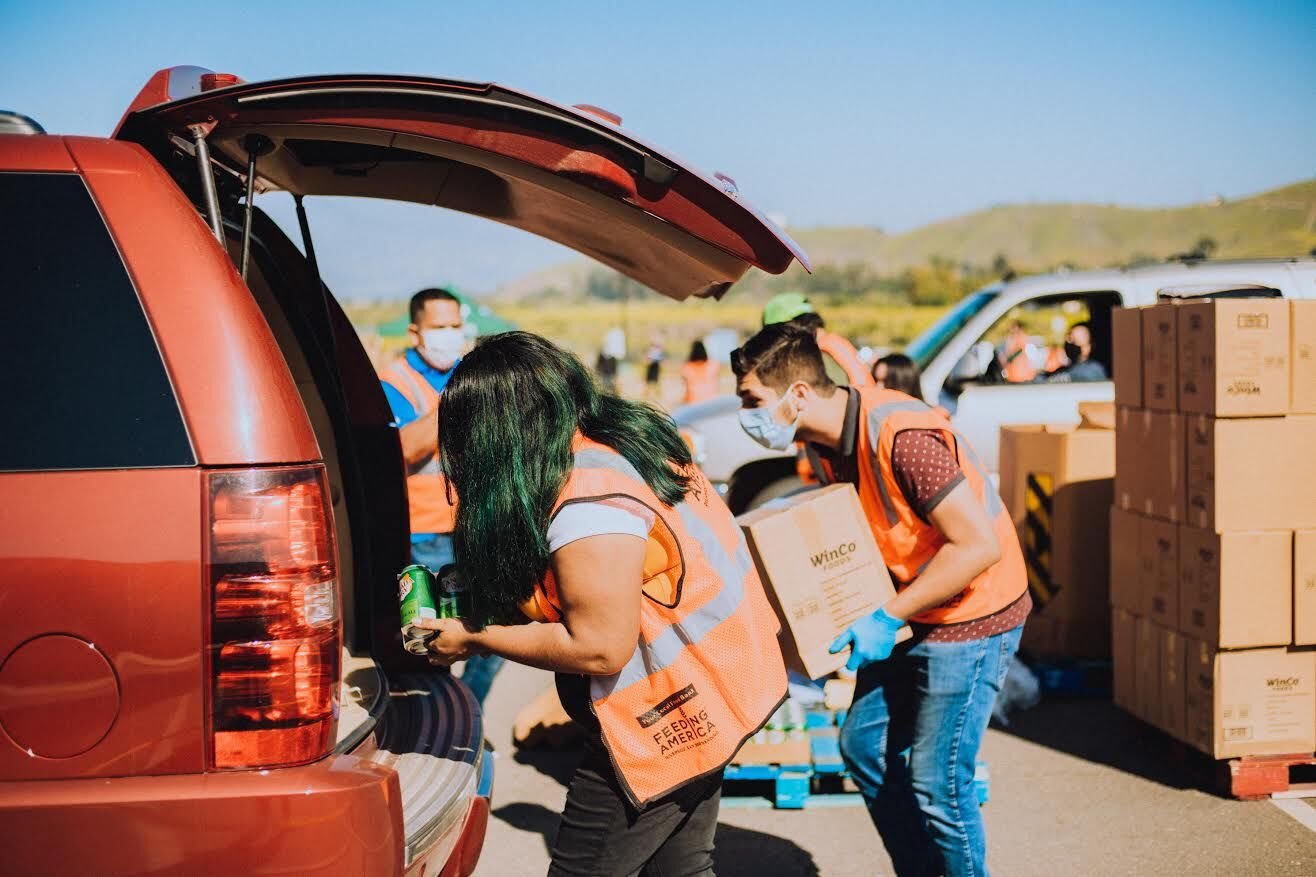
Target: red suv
[{"x": 202, "y": 496}]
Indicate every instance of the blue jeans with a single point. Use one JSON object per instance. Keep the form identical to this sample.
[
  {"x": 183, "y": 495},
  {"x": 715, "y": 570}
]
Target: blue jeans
[
  {"x": 934, "y": 699},
  {"x": 436, "y": 551}
]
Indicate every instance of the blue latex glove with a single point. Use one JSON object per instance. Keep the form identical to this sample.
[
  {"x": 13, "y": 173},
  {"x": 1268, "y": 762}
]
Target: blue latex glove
[{"x": 870, "y": 639}]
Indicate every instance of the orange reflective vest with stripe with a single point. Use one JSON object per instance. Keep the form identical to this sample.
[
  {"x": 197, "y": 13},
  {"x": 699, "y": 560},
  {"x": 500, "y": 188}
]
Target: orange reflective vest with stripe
[
  {"x": 907, "y": 542},
  {"x": 1017, "y": 368},
  {"x": 707, "y": 671},
  {"x": 841, "y": 350},
  {"x": 427, "y": 488}
]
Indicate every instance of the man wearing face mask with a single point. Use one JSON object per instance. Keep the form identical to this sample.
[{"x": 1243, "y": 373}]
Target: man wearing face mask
[
  {"x": 413, "y": 384},
  {"x": 953, "y": 554}
]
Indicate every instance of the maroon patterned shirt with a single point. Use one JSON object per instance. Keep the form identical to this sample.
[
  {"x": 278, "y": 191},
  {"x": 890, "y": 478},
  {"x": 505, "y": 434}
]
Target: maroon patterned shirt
[{"x": 927, "y": 471}]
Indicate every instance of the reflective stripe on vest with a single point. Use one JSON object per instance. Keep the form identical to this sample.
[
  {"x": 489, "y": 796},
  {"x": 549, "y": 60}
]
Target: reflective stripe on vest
[
  {"x": 706, "y": 672},
  {"x": 908, "y": 543},
  {"x": 427, "y": 489}
]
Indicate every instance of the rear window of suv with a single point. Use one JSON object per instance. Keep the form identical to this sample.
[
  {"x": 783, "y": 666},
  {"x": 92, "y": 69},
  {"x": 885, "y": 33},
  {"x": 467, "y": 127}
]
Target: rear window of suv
[{"x": 84, "y": 384}]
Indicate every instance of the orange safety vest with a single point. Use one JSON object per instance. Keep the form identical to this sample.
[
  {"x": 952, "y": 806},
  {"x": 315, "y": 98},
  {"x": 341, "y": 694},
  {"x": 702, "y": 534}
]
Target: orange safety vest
[
  {"x": 707, "y": 671},
  {"x": 841, "y": 350},
  {"x": 1017, "y": 368},
  {"x": 700, "y": 381},
  {"x": 427, "y": 487},
  {"x": 906, "y": 542}
]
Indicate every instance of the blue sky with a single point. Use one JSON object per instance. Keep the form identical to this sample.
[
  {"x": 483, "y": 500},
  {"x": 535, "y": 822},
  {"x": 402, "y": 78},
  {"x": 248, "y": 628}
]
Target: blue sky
[{"x": 881, "y": 114}]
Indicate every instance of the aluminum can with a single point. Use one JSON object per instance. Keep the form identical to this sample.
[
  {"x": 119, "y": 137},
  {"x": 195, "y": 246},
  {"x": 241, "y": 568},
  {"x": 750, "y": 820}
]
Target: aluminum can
[
  {"x": 453, "y": 598},
  {"x": 416, "y": 600}
]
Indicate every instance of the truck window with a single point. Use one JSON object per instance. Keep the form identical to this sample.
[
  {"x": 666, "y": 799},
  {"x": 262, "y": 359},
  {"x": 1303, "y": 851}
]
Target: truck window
[
  {"x": 1029, "y": 343},
  {"x": 86, "y": 387}
]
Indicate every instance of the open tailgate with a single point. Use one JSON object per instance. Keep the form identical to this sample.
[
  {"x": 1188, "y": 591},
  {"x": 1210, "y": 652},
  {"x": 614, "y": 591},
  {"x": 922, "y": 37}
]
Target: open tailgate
[{"x": 567, "y": 174}]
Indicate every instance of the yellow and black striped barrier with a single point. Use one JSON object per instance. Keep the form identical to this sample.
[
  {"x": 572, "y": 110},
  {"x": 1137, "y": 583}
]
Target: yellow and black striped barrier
[{"x": 1037, "y": 536}]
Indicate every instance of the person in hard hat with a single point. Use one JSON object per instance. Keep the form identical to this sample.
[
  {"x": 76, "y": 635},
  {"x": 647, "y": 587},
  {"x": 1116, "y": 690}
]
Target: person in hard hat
[
  {"x": 413, "y": 384},
  {"x": 952, "y": 551},
  {"x": 699, "y": 375},
  {"x": 795, "y": 308},
  {"x": 585, "y": 513}
]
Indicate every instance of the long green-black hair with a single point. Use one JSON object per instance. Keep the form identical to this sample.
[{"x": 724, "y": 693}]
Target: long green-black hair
[{"x": 506, "y": 424}]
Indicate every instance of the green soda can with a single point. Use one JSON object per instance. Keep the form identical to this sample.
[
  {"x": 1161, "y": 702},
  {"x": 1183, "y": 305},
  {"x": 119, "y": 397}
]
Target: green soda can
[
  {"x": 454, "y": 600},
  {"x": 416, "y": 600}
]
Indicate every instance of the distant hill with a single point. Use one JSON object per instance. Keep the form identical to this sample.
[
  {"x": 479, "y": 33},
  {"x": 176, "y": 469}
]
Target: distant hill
[{"x": 1281, "y": 222}]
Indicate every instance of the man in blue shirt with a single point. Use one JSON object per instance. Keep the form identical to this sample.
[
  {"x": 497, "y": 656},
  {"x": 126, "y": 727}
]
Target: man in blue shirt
[{"x": 412, "y": 385}]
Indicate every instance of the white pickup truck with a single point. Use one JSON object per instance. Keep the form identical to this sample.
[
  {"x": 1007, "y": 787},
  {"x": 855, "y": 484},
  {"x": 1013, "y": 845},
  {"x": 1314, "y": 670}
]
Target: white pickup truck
[{"x": 955, "y": 355}]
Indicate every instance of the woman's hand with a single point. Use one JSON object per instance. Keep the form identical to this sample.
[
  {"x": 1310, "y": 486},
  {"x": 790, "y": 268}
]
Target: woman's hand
[{"x": 454, "y": 642}]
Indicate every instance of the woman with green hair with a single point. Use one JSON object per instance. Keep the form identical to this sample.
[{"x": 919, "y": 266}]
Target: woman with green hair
[{"x": 584, "y": 513}]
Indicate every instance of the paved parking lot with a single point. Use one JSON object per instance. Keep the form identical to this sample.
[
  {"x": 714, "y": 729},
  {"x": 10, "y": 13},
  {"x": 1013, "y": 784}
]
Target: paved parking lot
[{"x": 1076, "y": 790}]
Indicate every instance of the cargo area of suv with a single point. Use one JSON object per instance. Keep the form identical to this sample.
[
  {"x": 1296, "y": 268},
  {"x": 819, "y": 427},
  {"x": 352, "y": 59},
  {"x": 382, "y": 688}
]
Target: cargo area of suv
[{"x": 202, "y": 498}]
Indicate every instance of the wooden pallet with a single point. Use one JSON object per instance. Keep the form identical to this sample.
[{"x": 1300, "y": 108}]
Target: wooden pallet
[
  {"x": 823, "y": 782},
  {"x": 1249, "y": 778},
  {"x": 1255, "y": 777}
]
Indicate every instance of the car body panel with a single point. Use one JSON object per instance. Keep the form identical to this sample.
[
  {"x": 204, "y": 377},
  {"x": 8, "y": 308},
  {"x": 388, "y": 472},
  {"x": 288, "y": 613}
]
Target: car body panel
[
  {"x": 342, "y": 815},
  {"x": 236, "y": 393},
  {"x": 559, "y": 172},
  {"x": 112, "y": 558}
]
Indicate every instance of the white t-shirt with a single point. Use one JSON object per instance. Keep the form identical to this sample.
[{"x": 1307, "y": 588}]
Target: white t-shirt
[{"x": 605, "y": 517}]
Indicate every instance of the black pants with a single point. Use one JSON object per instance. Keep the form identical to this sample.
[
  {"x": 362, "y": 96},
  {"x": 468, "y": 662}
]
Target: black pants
[{"x": 602, "y": 835}]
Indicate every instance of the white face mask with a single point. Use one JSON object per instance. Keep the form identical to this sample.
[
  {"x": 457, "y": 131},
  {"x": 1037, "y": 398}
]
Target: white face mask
[
  {"x": 762, "y": 426},
  {"x": 442, "y": 347}
]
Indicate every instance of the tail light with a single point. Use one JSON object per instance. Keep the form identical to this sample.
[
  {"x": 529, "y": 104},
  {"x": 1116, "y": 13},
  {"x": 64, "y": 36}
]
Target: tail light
[{"x": 275, "y": 628}]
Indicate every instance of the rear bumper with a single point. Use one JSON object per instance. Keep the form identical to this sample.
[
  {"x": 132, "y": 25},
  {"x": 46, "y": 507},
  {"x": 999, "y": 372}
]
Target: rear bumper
[{"x": 342, "y": 815}]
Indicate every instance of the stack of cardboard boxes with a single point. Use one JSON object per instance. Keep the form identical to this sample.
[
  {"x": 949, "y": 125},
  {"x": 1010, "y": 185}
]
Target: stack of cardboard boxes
[
  {"x": 1057, "y": 484},
  {"x": 1213, "y": 527}
]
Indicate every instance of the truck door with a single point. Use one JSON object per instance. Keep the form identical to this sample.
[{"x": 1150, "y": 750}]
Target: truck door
[{"x": 1018, "y": 371}]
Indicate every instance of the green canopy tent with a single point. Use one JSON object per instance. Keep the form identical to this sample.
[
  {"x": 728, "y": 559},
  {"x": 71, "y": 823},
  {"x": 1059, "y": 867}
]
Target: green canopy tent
[{"x": 479, "y": 316}]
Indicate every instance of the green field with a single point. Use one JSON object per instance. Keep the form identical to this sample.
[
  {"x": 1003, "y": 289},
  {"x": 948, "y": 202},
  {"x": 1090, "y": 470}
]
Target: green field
[{"x": 580, "y": 326}]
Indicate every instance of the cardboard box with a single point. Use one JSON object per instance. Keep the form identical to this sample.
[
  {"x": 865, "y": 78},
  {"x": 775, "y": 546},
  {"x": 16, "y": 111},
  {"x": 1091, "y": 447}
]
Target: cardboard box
[
  {"x": 821, "y": 570},
  {"x": 1255, "y": 474},
  {"x": 1056, "y": 482},
  {"x": 1126, "y": 563},
  {"x": 1254, "y": 702},
  {"x": 1174, "y": 692},
  {"x": 1160, "y": 357},
  {"x": 1079, "y": 637},
  {"x": 1126, "y": 355},
  {"x": 1147, "y": 671},
  {"x": 1235, "y": 588},
  {"x": 1124, "y": 671},
  {"x": 1304, "y": 587},
  {"x": 1096, "y": 415},
  {"x": 1234, "y": 357},
  {"x": 1302, "y": 357},
  {"x": 1158, "y": 550},
  {"x": 1129, "y": 489},
  {"x": 1149, "y": 463}
]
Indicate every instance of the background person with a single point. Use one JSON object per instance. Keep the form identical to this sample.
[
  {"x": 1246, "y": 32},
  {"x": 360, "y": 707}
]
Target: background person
[
  {"x": 413, "y": 385},
  {"x": 653, "y": 371},
  {"x": 955, "y": 559},
  {"x": 1080, "y": 365},
  {"x": 584, "y": 511},
  {"x": 699, "y": 374},
  {"x": 1013, "y": 356},
  {"x": 896, "y": 371},
  {"x": 794, "y": 308}
]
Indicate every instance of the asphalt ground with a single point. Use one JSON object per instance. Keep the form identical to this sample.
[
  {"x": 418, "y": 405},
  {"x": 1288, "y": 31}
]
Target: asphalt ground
[{"x": 1077, "y": 788}]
